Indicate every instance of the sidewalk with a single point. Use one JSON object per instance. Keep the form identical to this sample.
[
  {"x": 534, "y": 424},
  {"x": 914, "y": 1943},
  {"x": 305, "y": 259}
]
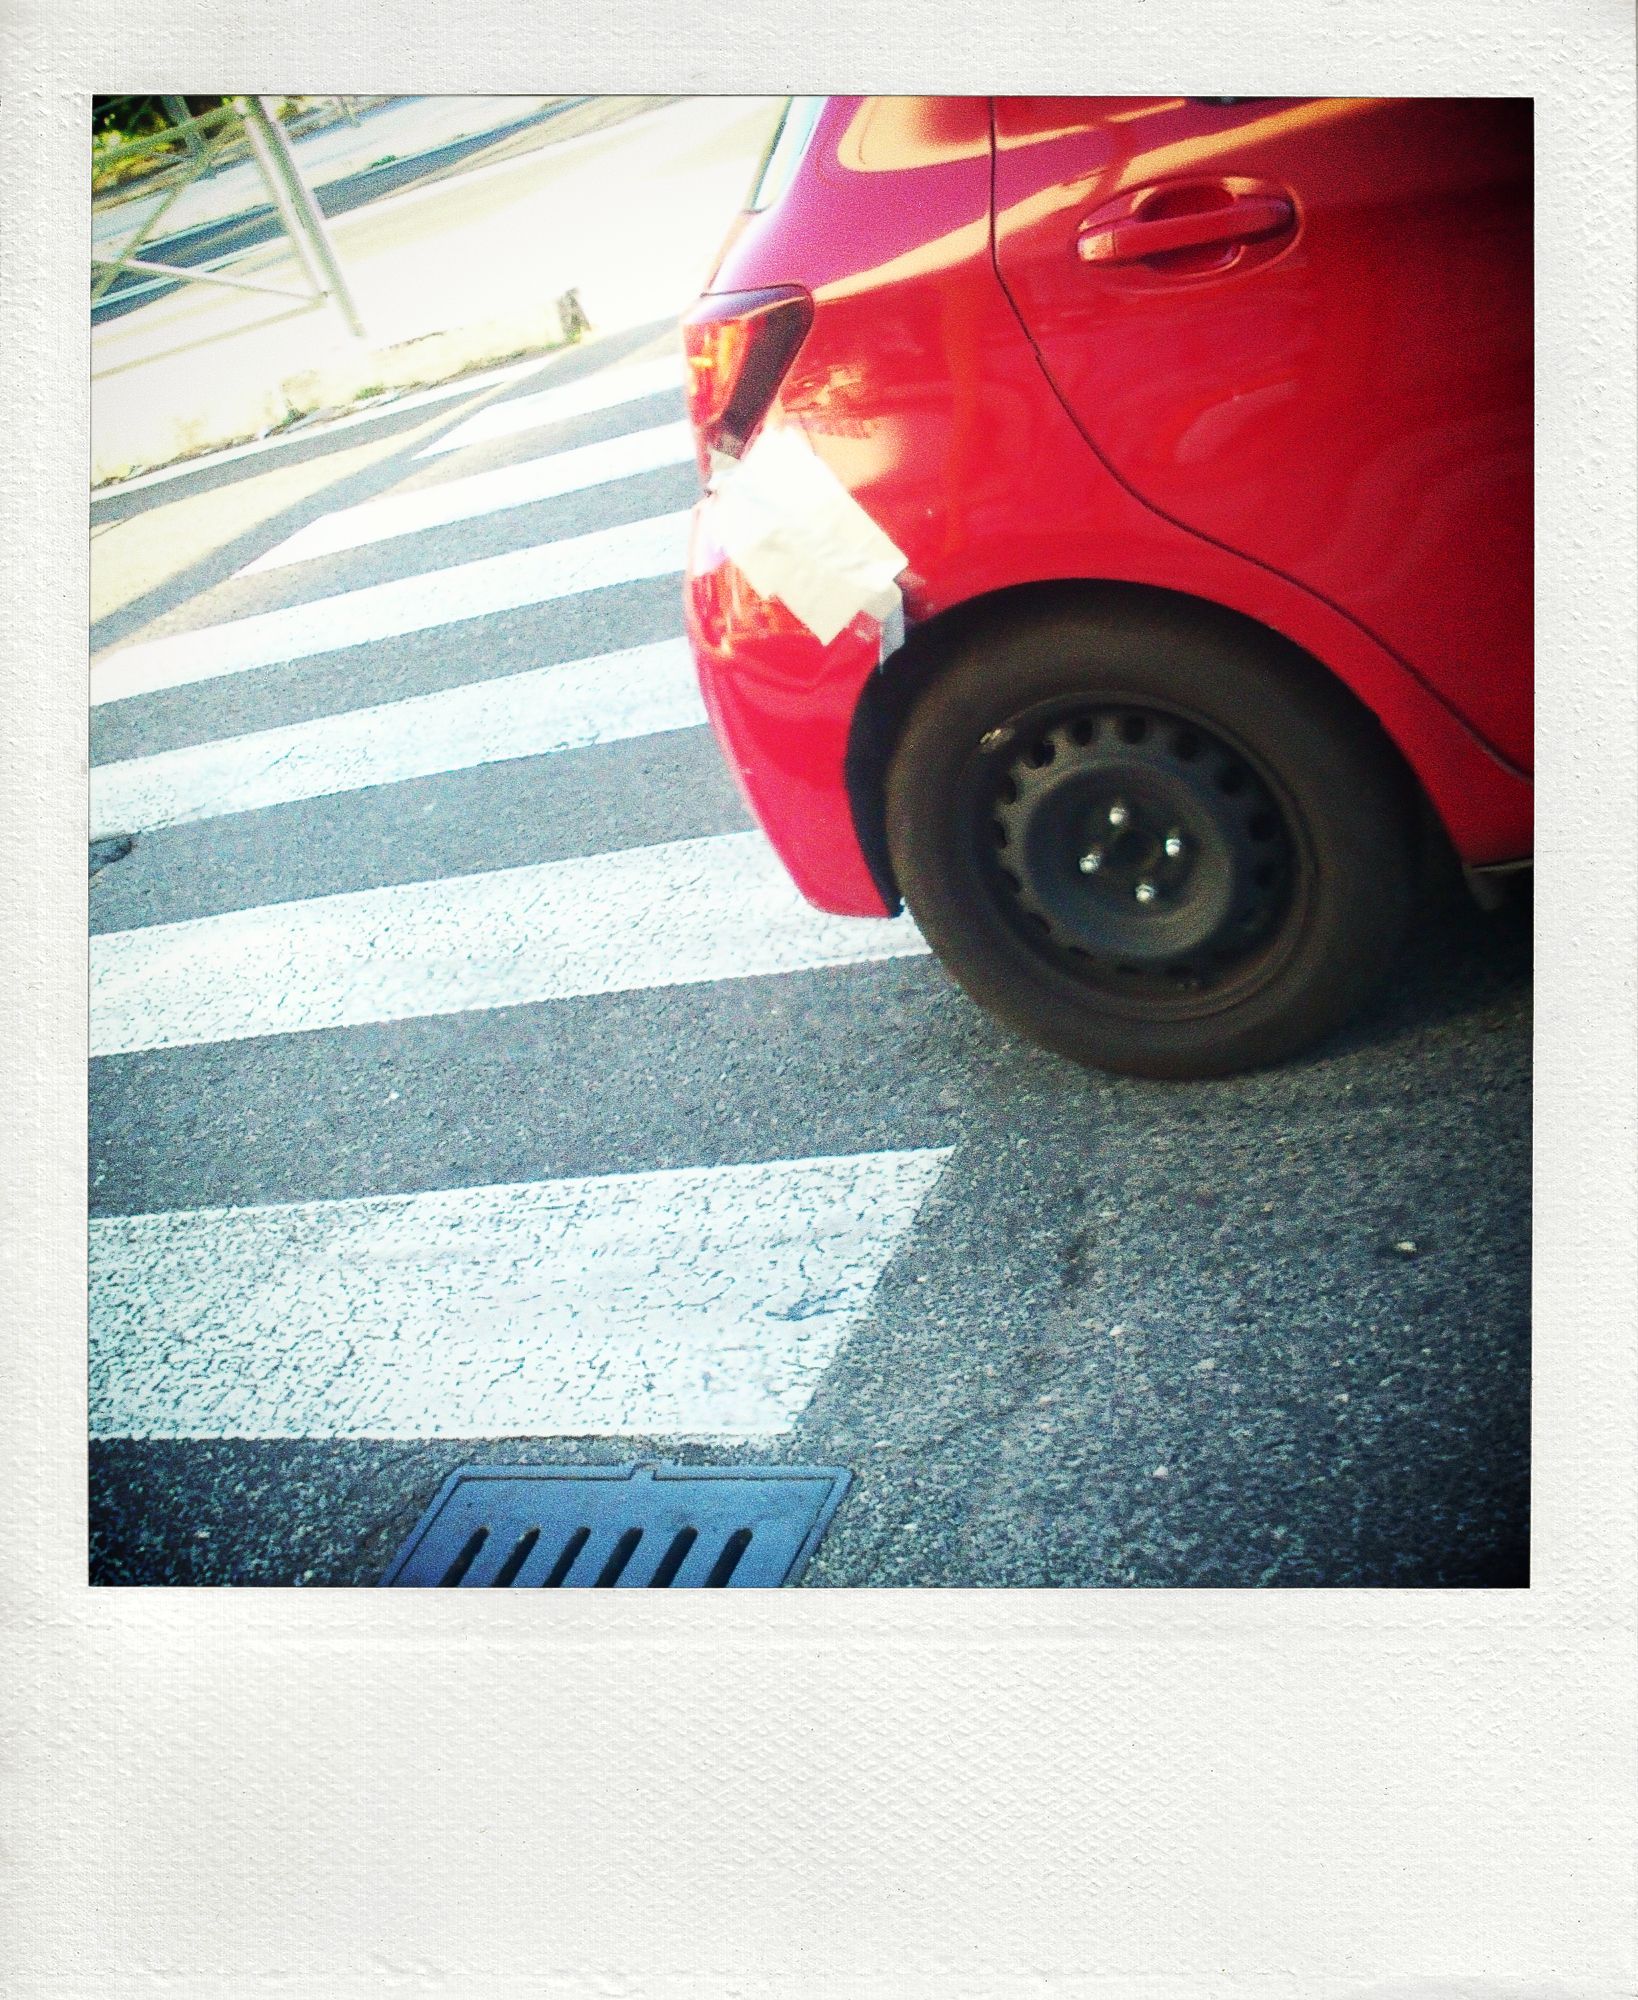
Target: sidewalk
[{"x": 456, "y": 274}]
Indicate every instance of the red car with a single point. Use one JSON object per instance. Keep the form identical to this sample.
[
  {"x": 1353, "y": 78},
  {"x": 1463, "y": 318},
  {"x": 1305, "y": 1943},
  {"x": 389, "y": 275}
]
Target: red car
[{"x": 1117, "y": 541}]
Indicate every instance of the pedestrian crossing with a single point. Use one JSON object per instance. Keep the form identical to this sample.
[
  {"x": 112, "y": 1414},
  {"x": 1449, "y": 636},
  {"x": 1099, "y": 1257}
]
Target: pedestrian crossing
[
  {"x": 682, "y": 1300},
  {"x": 678, "y": 915},
  {"x": 432, "y": 600},
  {"x": 639, "y": 691},
  {"x": 481, "y": 493},
  {"x": 608, "y": 390}
]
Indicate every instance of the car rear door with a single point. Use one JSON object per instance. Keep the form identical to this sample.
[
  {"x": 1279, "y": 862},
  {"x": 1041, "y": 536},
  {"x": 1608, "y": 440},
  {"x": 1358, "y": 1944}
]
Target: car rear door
[{"x": 1302, "y": 328}]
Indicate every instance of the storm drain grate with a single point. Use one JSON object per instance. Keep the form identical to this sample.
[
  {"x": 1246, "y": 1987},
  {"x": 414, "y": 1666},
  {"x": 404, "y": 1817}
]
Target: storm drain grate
[{"x": 621, "y": 1526}]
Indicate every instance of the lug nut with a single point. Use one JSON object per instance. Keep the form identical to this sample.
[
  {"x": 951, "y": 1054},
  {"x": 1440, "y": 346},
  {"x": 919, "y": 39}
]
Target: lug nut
[
  {"x": 1091, "y": 861},
  {"x": 1118, "y": 815},
  {"x": 1174, "y": 846},
  {"x": 1145, "y": 892}
]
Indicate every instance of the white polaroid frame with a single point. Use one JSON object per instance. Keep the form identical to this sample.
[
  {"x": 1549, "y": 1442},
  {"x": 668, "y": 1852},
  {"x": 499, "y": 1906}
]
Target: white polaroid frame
[{"x": 1209, "y": 1795}]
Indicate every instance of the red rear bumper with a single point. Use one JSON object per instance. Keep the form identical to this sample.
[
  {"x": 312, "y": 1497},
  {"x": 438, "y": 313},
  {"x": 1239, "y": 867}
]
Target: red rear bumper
[{"x": 782, "y": 706}]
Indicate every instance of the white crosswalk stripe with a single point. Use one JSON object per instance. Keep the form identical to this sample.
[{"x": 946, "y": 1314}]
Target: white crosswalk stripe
[
  {"x": 691, "y": 911},
  {"x": 482, "y": 493},
  {"x": 683, "y": 1301},
  {"x": 604, "y": 391},
  {"x": 696, "y": 1301},
  {"x": 627, "y": 554},
  {"x": 642, "y": 690}
]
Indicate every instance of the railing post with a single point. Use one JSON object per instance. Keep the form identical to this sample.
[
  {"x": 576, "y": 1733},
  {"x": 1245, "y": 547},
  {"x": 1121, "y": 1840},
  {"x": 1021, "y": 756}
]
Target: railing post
[
  {"x": 182, "y": 118},
  {"x": 298, "y": 210}
]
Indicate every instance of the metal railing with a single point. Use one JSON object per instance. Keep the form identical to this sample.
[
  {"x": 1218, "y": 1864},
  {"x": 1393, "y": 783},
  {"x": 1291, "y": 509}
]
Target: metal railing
[{"x": 245, "y": 126}]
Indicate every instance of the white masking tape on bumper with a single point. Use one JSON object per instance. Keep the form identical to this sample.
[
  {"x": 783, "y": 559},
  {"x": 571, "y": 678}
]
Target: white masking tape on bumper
[{"x": 794, "y": 531}]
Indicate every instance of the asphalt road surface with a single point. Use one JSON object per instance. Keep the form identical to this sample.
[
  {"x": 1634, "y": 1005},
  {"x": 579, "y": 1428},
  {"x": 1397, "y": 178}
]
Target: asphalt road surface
[{"x": 469, "y": 1086}]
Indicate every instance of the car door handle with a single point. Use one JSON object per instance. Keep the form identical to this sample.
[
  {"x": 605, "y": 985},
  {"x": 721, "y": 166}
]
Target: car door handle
[{"x": 1130, "y": 241}]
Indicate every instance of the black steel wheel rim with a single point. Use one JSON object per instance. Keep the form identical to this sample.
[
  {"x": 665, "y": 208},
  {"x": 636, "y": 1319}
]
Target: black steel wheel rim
[{"x": 1139, "y": 851}]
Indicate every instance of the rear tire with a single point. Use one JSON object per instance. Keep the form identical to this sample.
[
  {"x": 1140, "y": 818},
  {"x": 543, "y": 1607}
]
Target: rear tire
[{"x": 1157, "y": 841}]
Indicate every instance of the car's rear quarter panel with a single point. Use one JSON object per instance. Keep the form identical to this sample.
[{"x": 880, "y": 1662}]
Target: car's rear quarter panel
[{"x": 920, "y": 389}]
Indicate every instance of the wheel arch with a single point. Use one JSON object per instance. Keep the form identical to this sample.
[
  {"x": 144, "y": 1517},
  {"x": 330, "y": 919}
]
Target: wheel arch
[{"x": 891, "y": 692}]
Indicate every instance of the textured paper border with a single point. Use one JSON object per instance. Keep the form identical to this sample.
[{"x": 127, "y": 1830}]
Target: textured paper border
[{"x": 1178, "y": 1796}]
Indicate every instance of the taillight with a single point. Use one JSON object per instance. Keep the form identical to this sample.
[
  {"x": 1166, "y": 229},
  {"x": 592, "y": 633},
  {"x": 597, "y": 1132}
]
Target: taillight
[{"x": 738, "y": 346}]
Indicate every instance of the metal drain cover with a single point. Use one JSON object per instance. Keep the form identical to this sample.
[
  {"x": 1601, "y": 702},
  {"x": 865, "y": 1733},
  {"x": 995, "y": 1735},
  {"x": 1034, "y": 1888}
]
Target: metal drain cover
[{"x": 661, "y": 1526}]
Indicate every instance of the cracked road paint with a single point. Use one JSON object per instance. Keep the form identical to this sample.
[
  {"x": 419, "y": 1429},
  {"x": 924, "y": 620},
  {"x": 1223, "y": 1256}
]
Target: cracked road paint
[
  {"x": 523, "y": 577},
  {"x": 483, "y": 493},
  {"x": 640, "y": 691},
  {"x": 702, "y": 1301},
  {"x": 720, "y": 907}
]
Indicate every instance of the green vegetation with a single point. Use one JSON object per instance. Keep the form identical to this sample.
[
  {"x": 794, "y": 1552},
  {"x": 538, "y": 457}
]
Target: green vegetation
[
  {"x": 137, "y": 138},
  {"x": 117, "y": 119}
]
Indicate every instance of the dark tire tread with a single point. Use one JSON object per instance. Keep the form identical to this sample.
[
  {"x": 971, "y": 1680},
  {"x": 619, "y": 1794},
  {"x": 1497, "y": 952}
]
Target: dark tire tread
[{"x": 1344, "y": 790}]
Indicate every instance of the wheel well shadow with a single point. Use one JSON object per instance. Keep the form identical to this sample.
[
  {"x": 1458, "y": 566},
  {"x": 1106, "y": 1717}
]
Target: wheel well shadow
[{"x": 893, "y": 690}]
